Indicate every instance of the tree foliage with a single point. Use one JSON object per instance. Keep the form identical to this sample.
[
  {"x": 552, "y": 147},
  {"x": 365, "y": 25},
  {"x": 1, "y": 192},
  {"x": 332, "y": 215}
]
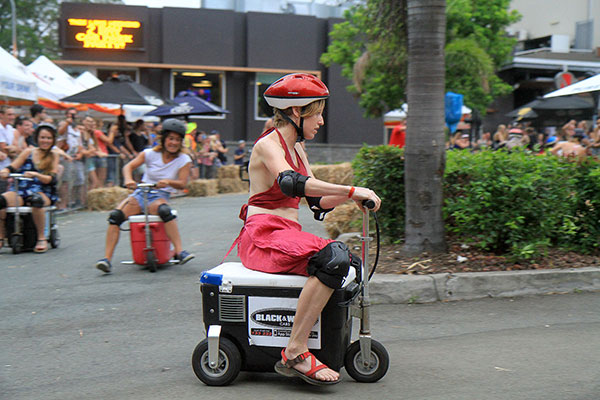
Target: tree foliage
[
  {"x": 37, "y": 27},
  {"x": 371, "y": 48}
]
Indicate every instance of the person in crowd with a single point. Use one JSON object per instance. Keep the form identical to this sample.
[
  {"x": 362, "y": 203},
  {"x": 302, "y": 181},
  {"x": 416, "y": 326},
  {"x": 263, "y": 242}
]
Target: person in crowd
[
  {"x": 568, "y": 130},
  {"x": 500, "y": 136},
  {"x": 101, "y": 141},
  {"x": 272, "y": 239},
  {"x": 461, "y": 141},
  {"x": 73, "y": 181},
  {"x": 41, "y": 164},
  {"x": 594, "y": 142},
  {"x": 516, "y": 139},
  {"x": 571, "y": 148},
  {"x": 239, "y": 155},
  {"x": 167, "y": 166},
  {"x": 137, "y": 140},
  {"x": 207, "y": 158},
  {"x": 153, "y": 131},
  {"x": 221, "y": 147},
  {"x": 23, "y": 134},
  {"x": 191, "y": 145},
  {"x": 94, "y": 165},
  {"x": 119, "y": 155},
  {"x": 7, "y": 118},
  {"x": 485, "y": 142},
  {"x": 38, "y": 114},
  {"x": 268, "y": 125}
]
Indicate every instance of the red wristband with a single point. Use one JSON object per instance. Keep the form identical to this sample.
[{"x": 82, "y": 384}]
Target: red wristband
[{"x": 351, "y": 192}]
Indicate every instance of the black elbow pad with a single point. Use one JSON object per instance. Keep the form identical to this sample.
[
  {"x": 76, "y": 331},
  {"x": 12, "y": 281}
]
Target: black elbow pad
[
  {"x": 292, "y": 183},
  {"x": 314, "y": 203}
]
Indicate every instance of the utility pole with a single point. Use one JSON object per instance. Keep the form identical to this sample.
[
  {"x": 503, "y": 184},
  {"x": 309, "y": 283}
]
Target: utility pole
[{"x": 14, "y": 28}]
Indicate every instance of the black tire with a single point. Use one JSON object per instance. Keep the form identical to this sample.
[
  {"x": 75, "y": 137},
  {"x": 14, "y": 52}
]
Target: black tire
[
  {"x": 16, "y": 243},
  {"x": 229, "y": 364},
  {"x": 380, "y": 361},
  {"x": 54, "y": 238},
  {"x": 151, "y": 261}
]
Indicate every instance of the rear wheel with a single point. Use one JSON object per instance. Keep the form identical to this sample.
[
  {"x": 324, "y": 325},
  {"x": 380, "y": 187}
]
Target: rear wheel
[{"x": 228, "y": 365}]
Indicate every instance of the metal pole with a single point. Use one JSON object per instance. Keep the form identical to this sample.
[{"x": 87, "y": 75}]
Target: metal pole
[{"x": 14, "y": 28}]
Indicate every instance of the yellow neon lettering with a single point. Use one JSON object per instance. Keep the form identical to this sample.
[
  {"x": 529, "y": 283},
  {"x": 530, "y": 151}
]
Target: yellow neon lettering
[{"x": 103, "y": 34}]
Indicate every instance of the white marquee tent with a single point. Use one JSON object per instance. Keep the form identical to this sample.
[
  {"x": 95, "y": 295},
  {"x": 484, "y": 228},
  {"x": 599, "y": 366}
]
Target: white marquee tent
[{"x": 15, "y": 82}]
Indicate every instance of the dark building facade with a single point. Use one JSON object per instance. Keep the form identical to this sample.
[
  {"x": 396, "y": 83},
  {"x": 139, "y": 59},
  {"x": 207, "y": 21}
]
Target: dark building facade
[{"x": 228, "y": 57}]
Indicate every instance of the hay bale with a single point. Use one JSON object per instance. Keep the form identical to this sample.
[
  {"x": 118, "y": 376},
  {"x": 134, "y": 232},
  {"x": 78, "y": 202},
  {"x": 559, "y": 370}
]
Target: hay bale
[
  {"x": 232, "y": 185},
  {"x": 340, "y": 174},
  {"x": 228, "y": 172},
  {"x": 203, "y": 187},
  {"x": 341, "y": 218},
  {"x": 104, "y": 199}
]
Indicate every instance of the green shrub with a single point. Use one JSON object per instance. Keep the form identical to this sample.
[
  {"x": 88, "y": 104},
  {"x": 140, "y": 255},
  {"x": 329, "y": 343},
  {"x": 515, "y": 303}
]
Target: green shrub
[
  {"x": 514, "y": 203},
  {"x": 381, "y": 169}
]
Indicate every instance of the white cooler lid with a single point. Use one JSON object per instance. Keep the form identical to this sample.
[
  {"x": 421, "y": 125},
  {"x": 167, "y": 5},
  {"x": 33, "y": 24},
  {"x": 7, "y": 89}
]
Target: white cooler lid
[
  {"x": 236, "y": 274},
  {"x": 151, "y": 218}
]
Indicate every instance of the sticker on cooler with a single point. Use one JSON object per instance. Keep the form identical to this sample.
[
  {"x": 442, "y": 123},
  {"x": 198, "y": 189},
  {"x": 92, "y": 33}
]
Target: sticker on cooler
[{"x": 270, "y": 322}]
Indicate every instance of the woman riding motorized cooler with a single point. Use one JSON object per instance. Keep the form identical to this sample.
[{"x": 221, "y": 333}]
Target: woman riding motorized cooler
[
  {"x": 167, "y": 167},
  {"x": 41, "y": 165},
  {"x": 272, "y": 240}
]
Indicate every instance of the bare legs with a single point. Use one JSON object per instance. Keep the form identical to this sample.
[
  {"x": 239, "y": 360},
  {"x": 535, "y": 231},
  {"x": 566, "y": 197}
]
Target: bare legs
[{"x": 313, "y": 298}]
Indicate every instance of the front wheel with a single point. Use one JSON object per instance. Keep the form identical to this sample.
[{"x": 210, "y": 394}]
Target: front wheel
[
  {"x": 54, "y": 238},
  {"x": 151, "y": 261},
  {"x": 16, "y": 243},
  {"x": 228, "y": 365},
  {"x": 371, "y": 372}
]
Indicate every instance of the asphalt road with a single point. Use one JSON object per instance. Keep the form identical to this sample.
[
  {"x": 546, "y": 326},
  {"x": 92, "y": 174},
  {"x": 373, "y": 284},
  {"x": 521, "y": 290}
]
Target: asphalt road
[{"x": 69, "y": 332}]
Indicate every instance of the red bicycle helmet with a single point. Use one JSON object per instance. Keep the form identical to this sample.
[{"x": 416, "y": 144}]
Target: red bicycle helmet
[{"x": 295, "y": 90}]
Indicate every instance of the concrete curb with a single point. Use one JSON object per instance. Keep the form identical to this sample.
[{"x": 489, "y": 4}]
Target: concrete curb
[{"x": 395, "y": 289}]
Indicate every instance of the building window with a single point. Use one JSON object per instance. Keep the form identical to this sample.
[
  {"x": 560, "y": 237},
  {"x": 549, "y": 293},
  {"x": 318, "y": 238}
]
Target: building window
[
  {"x": 208, "y": 85},
  {"x": 262, "y": 111}
]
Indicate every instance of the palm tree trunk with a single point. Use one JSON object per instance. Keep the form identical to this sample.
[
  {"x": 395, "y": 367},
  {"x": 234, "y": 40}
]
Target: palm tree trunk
[{"x": 425, "y": 145}]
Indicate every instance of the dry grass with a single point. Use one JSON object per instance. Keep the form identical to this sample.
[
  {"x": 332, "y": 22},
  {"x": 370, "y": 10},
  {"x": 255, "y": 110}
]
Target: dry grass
[
  {"x": 339, "y": 220},
  {"x": 340, "y": 174},
  {"x": 203, "y": 187},
  {"x": 104, "y": 199},
  {"x": 232, "y": 185}
]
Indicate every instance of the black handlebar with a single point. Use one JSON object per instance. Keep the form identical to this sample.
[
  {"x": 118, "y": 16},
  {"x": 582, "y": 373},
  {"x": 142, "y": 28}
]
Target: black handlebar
[{"x": 370, "y": 204}]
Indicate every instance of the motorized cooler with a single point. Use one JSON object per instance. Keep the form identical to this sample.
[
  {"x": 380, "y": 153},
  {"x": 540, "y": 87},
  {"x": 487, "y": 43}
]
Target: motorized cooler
[
  {"x": 256, "y": 311},
  {"x": 163, "y": 248}
]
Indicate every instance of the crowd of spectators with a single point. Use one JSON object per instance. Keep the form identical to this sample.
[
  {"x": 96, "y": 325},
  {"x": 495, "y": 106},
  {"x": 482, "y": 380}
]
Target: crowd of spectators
[
  {"x": 93, "y": 151},
  {"x": 574, "y": 140}
]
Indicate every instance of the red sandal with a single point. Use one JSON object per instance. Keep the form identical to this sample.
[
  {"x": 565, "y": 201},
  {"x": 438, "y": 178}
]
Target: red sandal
[{"x": 285, "y": 367}]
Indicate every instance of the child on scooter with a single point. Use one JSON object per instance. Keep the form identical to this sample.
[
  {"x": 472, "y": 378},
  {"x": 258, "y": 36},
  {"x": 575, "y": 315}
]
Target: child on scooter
[
  {"x": 41, "y": 165},
  {"x": 167, "y": 167},
  {"x": 272, "y": 240}
]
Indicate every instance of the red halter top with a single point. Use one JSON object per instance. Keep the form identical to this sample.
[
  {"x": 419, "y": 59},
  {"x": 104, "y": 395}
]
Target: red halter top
[{"x": 273, "y": 198}]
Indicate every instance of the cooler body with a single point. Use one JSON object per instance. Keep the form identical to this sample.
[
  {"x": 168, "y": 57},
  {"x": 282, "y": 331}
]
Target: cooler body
[
  {"x": 163, "y": 248},
  {"x": 256, "y": 311}
]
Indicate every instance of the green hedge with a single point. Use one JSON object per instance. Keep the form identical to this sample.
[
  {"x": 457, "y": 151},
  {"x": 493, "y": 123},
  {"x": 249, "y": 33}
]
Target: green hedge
[
  {"x": 509, "y": 203},
  {"x": 381, "y": 169}
]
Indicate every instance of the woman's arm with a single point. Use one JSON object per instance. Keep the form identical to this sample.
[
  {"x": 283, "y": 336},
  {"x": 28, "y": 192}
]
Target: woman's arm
[
  {"x": 272, "y": 157},
  {"x": 181, "y": 181},
  {"x": 130, "y": 167}
]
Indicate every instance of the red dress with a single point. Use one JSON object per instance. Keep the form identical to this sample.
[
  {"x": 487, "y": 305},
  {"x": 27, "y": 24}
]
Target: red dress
[{"x": 273, "y": 244}]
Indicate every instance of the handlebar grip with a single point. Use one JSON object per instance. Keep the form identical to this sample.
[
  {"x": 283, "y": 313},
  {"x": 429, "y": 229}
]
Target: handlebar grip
[{"x": 370, "y": 204}]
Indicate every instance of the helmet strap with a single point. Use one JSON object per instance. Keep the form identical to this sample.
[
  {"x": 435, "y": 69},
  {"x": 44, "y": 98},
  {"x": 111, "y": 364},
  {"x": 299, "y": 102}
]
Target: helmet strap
[{"x": 299, "y": 129}]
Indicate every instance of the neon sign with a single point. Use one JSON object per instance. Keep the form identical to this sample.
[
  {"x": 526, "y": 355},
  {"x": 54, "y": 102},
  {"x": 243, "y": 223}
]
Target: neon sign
[{"x": 104, "y": 34}]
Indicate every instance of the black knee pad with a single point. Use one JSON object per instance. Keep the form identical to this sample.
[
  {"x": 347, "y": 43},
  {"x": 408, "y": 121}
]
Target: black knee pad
[
  {"x": 116, "y": 217},
  {"x": 330, "y": 264},
  {"x": 165, "y": 213},
  {"x": 356, "y": 263},
  {"x": 35, "y": 200},
  {"x": 3, "y": 203}
]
